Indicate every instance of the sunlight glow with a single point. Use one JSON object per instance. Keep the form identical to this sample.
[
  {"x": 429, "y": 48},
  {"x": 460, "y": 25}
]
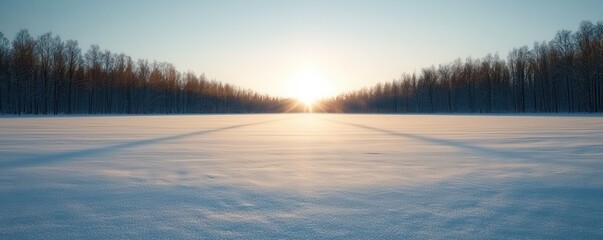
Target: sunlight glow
[{"x": 309, "y": 85}]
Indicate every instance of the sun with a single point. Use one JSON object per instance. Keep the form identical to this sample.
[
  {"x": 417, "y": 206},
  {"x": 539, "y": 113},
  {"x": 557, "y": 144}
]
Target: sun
[
  {"x": 307, "y": 100},
  {"x": 309, "y": 85}
]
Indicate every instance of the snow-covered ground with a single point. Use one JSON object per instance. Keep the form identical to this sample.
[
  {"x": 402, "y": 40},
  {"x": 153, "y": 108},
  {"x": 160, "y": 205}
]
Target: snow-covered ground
[{"x": 301, "y": 176}]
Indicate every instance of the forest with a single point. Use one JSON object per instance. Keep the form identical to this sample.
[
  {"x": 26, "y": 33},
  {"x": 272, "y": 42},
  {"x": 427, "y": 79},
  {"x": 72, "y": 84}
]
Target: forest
[
  {"x": 562, "y": 75},
  {"x": 46, "y": 75}
]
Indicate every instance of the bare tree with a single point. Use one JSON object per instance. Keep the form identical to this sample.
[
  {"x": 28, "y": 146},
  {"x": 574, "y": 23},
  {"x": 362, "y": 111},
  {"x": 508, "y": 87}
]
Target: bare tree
[{"x": 4, "y": 74}]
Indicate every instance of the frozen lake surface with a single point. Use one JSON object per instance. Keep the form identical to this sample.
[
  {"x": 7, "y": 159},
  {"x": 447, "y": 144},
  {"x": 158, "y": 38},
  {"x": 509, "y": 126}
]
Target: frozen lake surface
[{"x": 301, "y": 176}]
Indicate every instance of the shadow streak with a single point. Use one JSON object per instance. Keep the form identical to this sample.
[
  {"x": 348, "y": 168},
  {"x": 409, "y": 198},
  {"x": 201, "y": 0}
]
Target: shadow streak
[
  {"x": 510, "y": 155},
  {"x": 64, "y": 156}
]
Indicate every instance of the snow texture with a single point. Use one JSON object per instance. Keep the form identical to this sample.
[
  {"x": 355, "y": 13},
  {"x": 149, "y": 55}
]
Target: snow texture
[{"x": 302, "y": 176}]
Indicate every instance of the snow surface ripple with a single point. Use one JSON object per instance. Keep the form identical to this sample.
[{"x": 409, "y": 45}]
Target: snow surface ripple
[{"x": 301, "y": 176}]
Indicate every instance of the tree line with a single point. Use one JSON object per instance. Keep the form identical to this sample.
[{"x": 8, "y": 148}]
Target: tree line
[
  {"x": 46, "y": 75},
  {"x": 562, "y": 75}
]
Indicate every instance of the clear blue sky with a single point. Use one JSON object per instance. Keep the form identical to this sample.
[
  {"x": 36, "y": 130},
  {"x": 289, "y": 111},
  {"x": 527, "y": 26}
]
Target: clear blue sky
[{"x": 262, "y": 44}]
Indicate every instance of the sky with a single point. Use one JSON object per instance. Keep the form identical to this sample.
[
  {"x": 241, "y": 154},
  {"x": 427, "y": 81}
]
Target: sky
[{"x": 268, "y": 45}]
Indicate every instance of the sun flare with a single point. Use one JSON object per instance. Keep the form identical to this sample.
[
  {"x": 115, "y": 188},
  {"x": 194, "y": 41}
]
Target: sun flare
[{"x": 309, "y": 85}]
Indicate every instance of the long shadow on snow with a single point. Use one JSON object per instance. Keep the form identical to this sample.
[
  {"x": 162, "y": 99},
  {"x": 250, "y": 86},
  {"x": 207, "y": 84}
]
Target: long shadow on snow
[
  {"x": 453, "y": 143},
  {"x": 64, "y": 156}
]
